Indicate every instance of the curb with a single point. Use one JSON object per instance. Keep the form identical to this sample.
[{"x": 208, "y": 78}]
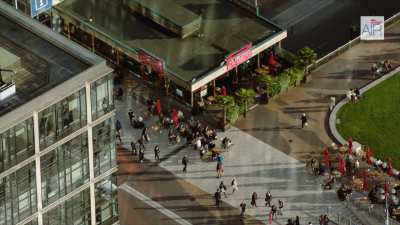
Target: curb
[{"x": 344, "y": 101}]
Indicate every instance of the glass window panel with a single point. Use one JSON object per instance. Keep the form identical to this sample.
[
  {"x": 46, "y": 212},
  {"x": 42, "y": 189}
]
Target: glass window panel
[
  {"x": 16, "y": 144},
  {"x": 18, "y": 195},
  {"x": 62, "y": 169},
  {"x": 106, "y": 201},
  {"x": 102, "y": 96},
  {"x": 104, "y": 146},
  {"x": 62, "y": 118},
  {"x": 74, "y": 211}
]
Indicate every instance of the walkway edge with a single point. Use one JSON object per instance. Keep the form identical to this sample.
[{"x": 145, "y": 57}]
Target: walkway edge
[
  {"x": 344, "y": 101},
  {"x": 130, "y": 190}
]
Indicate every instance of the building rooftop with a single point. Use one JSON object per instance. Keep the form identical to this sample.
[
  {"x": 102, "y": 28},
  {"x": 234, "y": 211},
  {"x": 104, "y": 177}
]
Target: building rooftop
[
  {"x": 225, "y": 28},
  {"x": 47, "y": 62}
]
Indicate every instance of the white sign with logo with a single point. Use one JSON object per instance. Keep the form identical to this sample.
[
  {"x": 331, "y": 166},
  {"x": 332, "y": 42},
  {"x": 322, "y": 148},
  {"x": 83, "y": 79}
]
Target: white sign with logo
[{"x": 372, "y": 28}]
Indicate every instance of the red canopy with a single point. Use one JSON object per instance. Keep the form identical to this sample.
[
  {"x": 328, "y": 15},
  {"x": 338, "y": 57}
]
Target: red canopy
[{"x": 350, "y": 145}]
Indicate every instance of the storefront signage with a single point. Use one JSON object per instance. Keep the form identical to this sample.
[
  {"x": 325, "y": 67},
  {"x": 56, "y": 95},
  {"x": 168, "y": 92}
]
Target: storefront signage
[
  {"x": 238, "y": 57},
  {"x": 156, "y": 64},
  {"x": 39, "y": 6},
  {"x": 372, "y": 28}
]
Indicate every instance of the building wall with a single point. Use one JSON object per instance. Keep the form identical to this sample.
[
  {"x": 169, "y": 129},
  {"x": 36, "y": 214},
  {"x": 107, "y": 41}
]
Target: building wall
[{"x": 56, "y": 167}]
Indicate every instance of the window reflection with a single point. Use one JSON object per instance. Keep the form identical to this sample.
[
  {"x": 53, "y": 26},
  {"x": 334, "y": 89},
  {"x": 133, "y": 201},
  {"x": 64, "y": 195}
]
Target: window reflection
[
  {"x": 64, "y": 169},
  {"x": 102, "y": 96},
  {"x": 18, "y": 195},
  {"x": 62, "y": 118},
  {"x": 106, "y": 201},
  {"x": 16, "y": 144},
  {"x": 104, "y": 146}
]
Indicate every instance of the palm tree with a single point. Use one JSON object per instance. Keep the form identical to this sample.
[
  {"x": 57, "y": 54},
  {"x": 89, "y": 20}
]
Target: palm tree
[
  {"x": 305, "y": 56},
  {"x": 226, "y": 102},
  {"x": 245, "y": 95}
]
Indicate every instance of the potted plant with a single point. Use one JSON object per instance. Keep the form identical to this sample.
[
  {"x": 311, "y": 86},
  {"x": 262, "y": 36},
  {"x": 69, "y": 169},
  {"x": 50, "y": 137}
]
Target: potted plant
[
  {"x": 271, "y": 85},
  {"x": 305, "y": 57},
  {"x": 245, "y": 96},
  {"x": 227, "y": 102}
]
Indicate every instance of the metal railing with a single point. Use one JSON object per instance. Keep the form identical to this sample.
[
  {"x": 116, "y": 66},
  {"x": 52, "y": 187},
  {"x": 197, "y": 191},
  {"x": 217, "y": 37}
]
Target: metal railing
[{"x": 394, "y": 19}]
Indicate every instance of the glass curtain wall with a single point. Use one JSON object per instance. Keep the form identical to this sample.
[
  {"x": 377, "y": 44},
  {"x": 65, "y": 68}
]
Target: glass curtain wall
[
  {"x": 74, "y": 211},
  {"x": 64, "y": 169},
  {"x": 102, "y": 96},
  {"x": 106, "y": 201},
  {"x": 16, "y": 144},
  {"x": 104, "y": 146},
  {"x": 62, "y": 118},
  {"x": 18, "y": 195}
]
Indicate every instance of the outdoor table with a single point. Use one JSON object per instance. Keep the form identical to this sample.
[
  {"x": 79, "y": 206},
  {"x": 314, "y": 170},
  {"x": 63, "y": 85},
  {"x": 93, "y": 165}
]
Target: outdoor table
[
  {"x": 357, "y": 184},
  {"x": 342, "y": 150}
]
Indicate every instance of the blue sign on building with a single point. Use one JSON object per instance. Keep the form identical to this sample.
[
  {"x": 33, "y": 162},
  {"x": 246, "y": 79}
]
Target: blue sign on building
[{"x": 39, "y": 6}]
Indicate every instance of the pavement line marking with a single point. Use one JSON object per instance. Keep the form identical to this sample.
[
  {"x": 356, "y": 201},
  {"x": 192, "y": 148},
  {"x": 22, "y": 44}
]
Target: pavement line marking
[{"x": 155, "y": 205}]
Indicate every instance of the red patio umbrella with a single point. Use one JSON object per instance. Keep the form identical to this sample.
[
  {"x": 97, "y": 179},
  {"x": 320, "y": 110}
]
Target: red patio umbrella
[
  {"x": 342, "y": 166},
  {"x": 271, "y": 60},
  {"x": 386, "y": 188},
  {"x": 368, "y": 155},
  {"x": 157, "y": 108},
  {"x": 326, "y": 157},
  {"x": 350, "y": 145},
  {"x": 365, "y": 181},
  {"x": 223, "y": 91},
  {"x": 174, "y": 116}
]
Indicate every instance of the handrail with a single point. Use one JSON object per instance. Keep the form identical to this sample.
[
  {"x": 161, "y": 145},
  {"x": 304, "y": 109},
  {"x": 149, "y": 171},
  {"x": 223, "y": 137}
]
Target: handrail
[{"x": 395, "y": 18}]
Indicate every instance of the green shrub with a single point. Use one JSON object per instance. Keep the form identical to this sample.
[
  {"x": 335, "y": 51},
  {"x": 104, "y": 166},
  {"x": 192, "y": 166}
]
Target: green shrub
[
  {"x": 232, "y": 113},
  {"x": 271, "y": 84},
  {"x": 295, "y": 74},
  {"x": 284, "y": 81}
]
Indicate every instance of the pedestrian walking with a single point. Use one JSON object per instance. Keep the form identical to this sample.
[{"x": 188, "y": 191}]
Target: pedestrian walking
[
  {"x": 289, "y": 222},
  {"x": 309, "y": 223},
  {"x": 133, "y": 147},
  {"x": 156, "y": 153},
  {"x": 118, "y": 136},
  {"x": 297, "y": 220},
  {"x": 141, "y": 144},
  {"x": 280, "y": 204},
  {"x": 254, "y": 199},
  {"x": 217, "y": 197},
  {"x": 130, "y": 115},
  {"x": 141, "y": 155},
  {"x": 118, "y": 125},
  {"x": 222, "y": 188},
  {"x": 268, "y": 198},
  {"x": 304, "y": 120},
  {"x": 242, "y": 209},
  {"x": 220, "y": 169},
  {"x": 332, "y": 103},
  {"x": 274, "y": 209},
  {"x": 184, "y": 163},
  {"x": 234, "y": 185}
]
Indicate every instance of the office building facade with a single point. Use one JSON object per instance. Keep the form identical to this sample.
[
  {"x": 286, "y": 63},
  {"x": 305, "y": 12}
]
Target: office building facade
[{"x": 57, "y": 134}]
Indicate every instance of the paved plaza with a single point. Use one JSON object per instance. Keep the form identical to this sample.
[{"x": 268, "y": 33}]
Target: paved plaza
[
  {"x": 257, "y": 166},
  {"x": 269, "y": 148}
]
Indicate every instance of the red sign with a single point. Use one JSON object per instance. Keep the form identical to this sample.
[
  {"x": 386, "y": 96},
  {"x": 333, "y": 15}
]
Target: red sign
[
  {"x": 155, "y": 63},
  {"x": 238, "y": 57}
]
